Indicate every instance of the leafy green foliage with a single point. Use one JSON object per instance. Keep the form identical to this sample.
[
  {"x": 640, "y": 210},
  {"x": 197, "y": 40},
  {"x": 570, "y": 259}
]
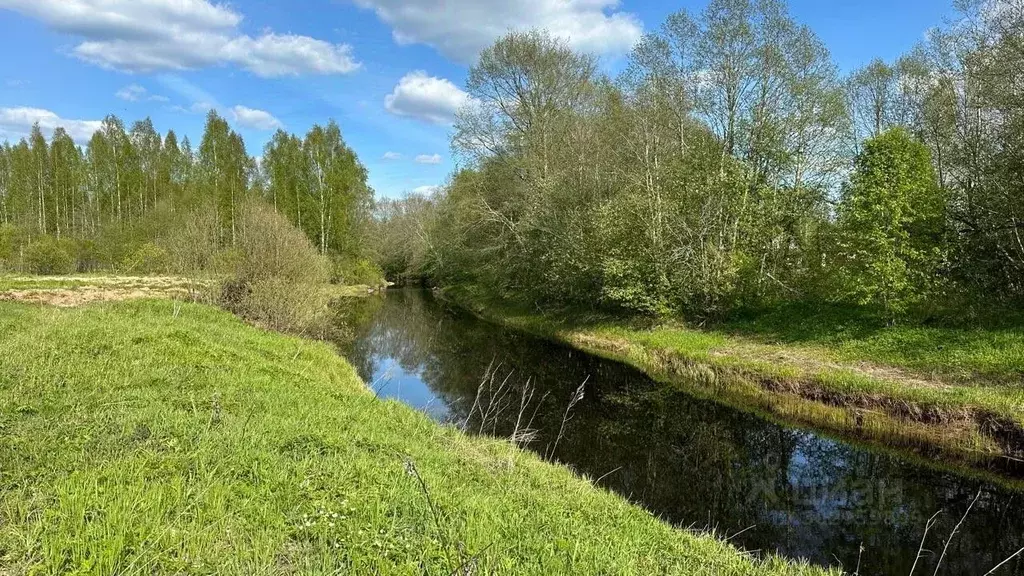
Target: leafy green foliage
[
  {"x": 892, "y": 223},
  {"x": 320, "y": 185},
  {"x": 9, "y": 243},
  {"x": 275, "y": 276},
  {"x": 149, "y": 258},
  {"x": 49, "y": 257},
  {"x": 714, "y": 174},
  {"x": 645, "y": 194},
  {"x": 133, "y": 201}
]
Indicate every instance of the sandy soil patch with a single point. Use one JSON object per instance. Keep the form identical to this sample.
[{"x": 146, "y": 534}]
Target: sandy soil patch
[
  {"x": 70, "y": 297},
  {"x": 70, "y": 291}
]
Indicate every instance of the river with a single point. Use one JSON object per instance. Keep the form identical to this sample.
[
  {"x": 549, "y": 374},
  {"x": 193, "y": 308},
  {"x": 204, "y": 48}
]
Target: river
[{"x": 692, "y": 462}]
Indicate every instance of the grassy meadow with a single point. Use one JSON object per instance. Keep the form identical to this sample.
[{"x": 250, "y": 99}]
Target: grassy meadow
[{"x": 156, "y": 437}]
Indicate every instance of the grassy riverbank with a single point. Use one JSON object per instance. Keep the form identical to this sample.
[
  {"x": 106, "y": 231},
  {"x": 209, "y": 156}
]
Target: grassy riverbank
[
  {"x": 955, "y": 389},
  {"x": 158, "y": 437}
]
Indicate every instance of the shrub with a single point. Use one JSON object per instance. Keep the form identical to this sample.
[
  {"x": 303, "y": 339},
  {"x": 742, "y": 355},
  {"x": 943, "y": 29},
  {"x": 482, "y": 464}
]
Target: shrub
[
  {"x": 49, "y": 256},
  {"x": 190, "y": 245},
  {"x": 277, "y": 279},
  {"x": 148, "y": 258},
  {"x": 8, "y": 246},
  {"x": 112, "y": 247},
  {"x": 89, "y": 256},
  {"x": 357, "y": 272}
]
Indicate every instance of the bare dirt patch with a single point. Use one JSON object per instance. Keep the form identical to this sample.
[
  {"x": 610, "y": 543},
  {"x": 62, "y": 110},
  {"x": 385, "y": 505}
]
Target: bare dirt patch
[
  {"x": 71, "y": 291},
  {"x": 71, "y": 297}
]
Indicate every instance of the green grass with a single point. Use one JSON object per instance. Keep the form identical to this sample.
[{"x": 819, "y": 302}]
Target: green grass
[
  {"x": 981, "y": 350},
  {"x": 152, "y": 437},
  {"x": 842, "y": 370}
]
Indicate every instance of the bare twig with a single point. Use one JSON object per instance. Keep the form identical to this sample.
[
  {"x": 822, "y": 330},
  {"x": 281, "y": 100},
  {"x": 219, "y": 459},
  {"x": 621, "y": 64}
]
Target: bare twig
[
  {"x": 378, "y": 385},
  {"x": 567, "y": 416},
  {"x": 496, "y": 404},
  {"x": 609, "y": 473},
  {"x": 1003, "y": 563},
  {"x": 953, "y": 533},
  {"x": 525, "y": 434},
  {"x": 479, "y": 391},
  {"x": 748, "y": 528},
  {"x": 920, "y": 550}
]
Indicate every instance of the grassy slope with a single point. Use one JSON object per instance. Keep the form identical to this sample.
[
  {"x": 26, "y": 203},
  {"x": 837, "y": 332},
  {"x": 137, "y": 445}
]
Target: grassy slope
[
  {"x": 150, "y": 437},
  {"x": 981, "y": 351},
  {"x": 954, "y": 388}
]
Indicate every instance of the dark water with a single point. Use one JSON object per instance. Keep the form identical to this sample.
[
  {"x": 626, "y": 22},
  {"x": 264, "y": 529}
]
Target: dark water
[{"x": 692, "y": 462}]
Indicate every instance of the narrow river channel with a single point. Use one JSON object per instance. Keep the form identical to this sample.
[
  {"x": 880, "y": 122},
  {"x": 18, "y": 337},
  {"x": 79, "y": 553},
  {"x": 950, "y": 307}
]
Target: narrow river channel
[{"x": 689, "y": 461}]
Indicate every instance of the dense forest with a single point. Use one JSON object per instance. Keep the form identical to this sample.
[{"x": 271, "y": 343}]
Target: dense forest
[
  {"x": 731, "y": 165},
  {"x": 133, "y": 201}
]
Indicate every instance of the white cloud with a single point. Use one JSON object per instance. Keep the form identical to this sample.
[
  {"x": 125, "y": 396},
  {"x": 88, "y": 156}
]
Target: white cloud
[
  {"x": 426, "y": 190},
  {"x": 194, "y": 108},
  {"x": 135, "y": 93},
  {"x": 288, "y": 54},
  {"x": 148, "y": 35},
  {"x": 131, "y": 93},
  {"x": 428, "y": 159},
  {"x": 255, "y": 119},
  {"x": 426, "y": 98},
  {"x": 16, "y": 123},
  {"x": 460, "y": 29},
  {"x": 392, "y": 156}
]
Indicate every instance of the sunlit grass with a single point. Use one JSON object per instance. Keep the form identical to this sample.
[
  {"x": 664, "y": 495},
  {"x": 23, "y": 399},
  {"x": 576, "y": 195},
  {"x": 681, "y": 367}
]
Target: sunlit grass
[
  {"x": 153, "y": 437},
  {"x": 982, "y": 349}
]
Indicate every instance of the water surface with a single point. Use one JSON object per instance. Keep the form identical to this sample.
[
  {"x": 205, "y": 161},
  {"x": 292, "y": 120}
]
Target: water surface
[{"x": 690, "y": 461}]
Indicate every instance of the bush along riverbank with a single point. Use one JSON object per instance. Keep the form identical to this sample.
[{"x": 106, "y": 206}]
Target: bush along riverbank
[
  {"x": 159, "y": 437},
  {"x": 894, "y": 386}
]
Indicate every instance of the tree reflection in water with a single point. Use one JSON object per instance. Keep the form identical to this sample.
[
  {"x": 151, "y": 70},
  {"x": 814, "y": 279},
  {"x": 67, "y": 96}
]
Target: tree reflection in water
[{"x": 689, "y": 461}]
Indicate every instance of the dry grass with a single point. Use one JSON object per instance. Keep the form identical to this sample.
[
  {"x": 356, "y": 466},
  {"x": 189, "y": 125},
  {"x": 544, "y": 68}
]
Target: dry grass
[{"x": 71, "y": 291}]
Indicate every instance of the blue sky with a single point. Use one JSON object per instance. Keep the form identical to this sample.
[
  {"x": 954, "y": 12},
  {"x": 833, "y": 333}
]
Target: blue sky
[{"x": 389, "y": 71}]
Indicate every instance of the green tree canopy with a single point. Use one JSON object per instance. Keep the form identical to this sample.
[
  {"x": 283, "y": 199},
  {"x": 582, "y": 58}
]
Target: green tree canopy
[{"x": 891, "y": 219}]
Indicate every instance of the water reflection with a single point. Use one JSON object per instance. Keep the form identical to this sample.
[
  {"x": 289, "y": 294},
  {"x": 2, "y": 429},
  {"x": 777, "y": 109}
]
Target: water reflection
[{"x": 692, "y": 462}]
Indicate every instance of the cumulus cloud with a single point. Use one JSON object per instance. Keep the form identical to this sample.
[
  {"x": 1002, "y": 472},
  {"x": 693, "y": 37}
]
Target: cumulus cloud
[
  {"x": 148, "y": 35},
  {"x": 460, "y": 29},
  {"x": 255, "y": 119},
  {"x": 426, "y": 190},
  {"x": 428, "y": 159},
  {"x": 427, "y": 98},
  {"x": 16, "y": 123},
  {"x": 392, "y": 156},
  {"x": 136, "y": 93}
]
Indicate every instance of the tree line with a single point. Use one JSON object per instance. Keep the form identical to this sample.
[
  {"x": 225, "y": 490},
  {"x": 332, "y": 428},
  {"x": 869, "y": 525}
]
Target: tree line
[
  {"x": 732, "y": 165},
  {"x": 131, "y": 197}
]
